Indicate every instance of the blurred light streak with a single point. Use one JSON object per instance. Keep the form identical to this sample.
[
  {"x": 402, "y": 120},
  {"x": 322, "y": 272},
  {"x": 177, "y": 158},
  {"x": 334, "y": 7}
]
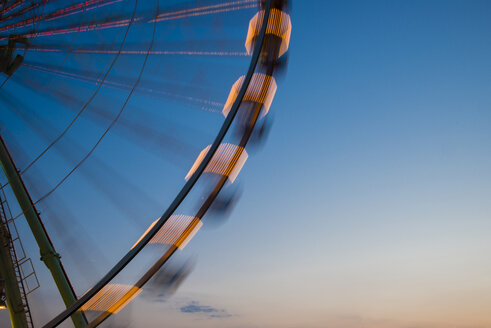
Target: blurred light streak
[
  {"x": 94, "y": 4},
  {"x": 261, "y": 90},
  {"x": 12, "y": 7},
  {"x": 186, "y": 11},
  {"x": 189, "y": 233},
  {"x": 25, "y": 10},
  {"x": 112, "y": 298},
  {"x": 279, "y": 24},
  {"x": 178, "y": 231},
  {"x": 125, "y": 22},
  {"x": 121, "y": 86},
  {"x": 143, "y": 52},
  {"x": 206, "y": 10},
  {"x": 71, "y": 10},
  {"x": 83, "y": 28},
  {"x": 227, "y": 161}
]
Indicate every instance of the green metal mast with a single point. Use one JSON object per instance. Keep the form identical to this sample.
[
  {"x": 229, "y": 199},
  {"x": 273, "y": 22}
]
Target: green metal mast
[
  {"x": 48, "y": 254},
  {"x": 12, "y": 292}
]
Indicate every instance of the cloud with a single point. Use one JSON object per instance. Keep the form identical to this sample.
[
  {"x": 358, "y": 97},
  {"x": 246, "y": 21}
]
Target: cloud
[
  {"x": 159, "y": 300},
  {"x": 211, "y": 312}
]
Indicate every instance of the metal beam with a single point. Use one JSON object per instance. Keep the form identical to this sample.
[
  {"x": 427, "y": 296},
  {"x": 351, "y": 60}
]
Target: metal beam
[
  {"x": 14, "y": 298},
  {"x": 48, "y": 254}
]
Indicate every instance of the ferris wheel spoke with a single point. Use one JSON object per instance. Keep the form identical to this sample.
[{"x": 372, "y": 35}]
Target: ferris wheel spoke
[
  {"x": 106, "y": 131},
  {"x": 70, "y": 47},
  {"x": 206, "y": 10},
  {"x": 172, "y": 92},
  {"x": 141, "y": 134},
  {"x": 86, "y": 104},
  {"x": 70, "y": 150},
  {"x": 13, "y": 6},
  {"x": 60, "y": 13},
  {"x": 149, "y": 17},
  {"x": 21, "y": 11},
  {"x": 89, "y": 51}
]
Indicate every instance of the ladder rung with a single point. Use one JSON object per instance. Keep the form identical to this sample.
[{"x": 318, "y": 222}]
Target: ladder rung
[
  {"x": 30, "y": 274},
  {"x": 30, "y": 291},
  {"x": 9, "y": 225},
  {"x": 21, "y": 263}
]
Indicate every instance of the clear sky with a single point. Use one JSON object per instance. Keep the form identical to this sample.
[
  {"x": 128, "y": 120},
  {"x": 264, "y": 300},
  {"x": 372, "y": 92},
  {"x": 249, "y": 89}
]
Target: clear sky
[{"x": 369, "y": 205}]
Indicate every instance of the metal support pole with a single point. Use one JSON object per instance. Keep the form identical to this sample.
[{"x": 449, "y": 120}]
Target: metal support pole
[
  {"x": 48, "y": 253},
  {"x": 14, "y": 298}
]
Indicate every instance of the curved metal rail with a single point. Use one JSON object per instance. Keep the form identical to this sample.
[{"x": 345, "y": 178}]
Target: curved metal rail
[{"x": 184, "y": 191}]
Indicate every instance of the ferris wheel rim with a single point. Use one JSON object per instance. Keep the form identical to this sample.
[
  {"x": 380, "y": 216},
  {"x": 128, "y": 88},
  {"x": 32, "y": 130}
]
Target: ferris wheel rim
[{"x": 125, "y": 260}]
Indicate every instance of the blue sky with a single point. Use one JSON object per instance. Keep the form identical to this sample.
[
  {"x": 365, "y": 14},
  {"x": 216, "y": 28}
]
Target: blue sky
[{"x": 369, "y": 204}]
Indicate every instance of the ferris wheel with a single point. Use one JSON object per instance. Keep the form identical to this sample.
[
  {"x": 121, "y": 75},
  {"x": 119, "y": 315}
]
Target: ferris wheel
[{"x": 114, "y": 112}]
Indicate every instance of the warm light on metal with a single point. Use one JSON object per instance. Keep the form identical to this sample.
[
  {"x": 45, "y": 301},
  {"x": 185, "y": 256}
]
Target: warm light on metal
[
  {"x": 261, "y": 90},
  {"x": 226, "y": 161},
  {"x": 112, "y": 298},
  {"x": 279, "y": 24},
  {"x": 178, "y": 231},
  {"x": 3, "y": 299}
]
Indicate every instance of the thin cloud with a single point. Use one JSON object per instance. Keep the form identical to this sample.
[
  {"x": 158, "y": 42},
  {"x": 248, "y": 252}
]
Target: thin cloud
[{"x": 211, "y": 312}]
